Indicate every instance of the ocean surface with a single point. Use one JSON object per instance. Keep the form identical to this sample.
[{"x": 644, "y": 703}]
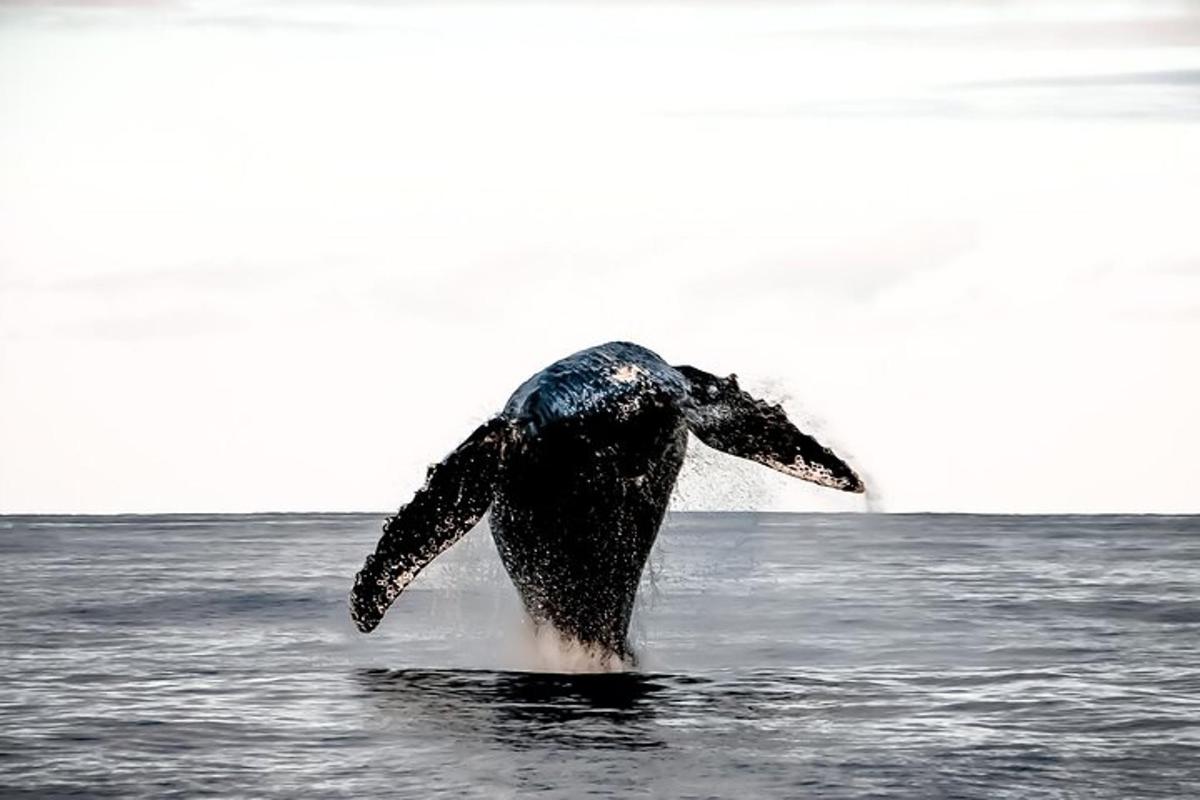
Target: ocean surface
[{"x": 781, "y": 656}]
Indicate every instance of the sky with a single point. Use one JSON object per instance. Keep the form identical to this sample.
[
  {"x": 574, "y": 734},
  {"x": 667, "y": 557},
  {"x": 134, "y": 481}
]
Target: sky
[{"x": 280, "y": 257}]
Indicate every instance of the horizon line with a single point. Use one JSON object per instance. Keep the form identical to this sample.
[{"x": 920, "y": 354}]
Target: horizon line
[{"x": 774, "y": 512}]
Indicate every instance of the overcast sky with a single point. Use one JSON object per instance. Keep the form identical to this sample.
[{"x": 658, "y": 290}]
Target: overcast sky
[{"x": 280, "y": 257}]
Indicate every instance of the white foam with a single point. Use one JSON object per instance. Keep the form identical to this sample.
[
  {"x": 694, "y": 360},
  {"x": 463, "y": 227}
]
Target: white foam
[{"x": 545, "y": 649}]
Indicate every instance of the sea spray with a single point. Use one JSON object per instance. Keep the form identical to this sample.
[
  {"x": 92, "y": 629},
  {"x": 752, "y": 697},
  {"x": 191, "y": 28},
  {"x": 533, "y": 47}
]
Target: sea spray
[{"x": 544, "y": 649}]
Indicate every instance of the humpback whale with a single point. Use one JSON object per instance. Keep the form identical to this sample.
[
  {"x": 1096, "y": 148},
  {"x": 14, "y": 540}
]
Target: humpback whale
[{"x": 576, "y": 471}]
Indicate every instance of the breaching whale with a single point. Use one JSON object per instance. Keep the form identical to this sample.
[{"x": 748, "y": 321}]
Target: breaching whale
[{"x": 577, "y": 470}]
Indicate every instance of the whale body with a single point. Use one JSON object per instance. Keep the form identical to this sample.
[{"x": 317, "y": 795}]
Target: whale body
[{"x": 577, "y": 470}]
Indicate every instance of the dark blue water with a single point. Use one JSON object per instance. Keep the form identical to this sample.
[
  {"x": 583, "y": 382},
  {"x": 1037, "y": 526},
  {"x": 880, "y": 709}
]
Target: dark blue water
[{"x": 783, "y": 655}]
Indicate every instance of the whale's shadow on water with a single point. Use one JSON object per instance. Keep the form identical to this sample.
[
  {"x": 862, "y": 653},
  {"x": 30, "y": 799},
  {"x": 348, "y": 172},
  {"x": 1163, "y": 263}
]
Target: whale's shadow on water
[{"x": 526, "y": 709}]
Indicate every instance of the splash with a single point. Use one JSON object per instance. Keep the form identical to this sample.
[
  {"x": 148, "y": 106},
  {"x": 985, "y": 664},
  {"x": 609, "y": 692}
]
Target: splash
[
  {"x": 874, "y": 500},
  {"x": 710, "y": 480},
  {"x": 545, "y": 649}
]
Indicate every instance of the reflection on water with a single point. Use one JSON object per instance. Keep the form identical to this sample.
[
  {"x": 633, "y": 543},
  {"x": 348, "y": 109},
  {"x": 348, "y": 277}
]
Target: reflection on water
[{"x": 523, "y": 709}]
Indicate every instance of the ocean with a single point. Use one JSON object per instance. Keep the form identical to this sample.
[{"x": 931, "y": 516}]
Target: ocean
[{"x": 781, "y": 655}]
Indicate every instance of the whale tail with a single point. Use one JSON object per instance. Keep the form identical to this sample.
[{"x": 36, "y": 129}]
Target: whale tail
[
  {"x": 456, "y": 495},
  {"x": 728, "y": 419}
]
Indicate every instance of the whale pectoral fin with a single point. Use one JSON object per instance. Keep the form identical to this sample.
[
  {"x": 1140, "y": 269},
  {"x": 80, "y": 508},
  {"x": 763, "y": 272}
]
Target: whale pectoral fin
[
  {"x": 456, "y": 495},
  {"x": 728, "y": 419}
]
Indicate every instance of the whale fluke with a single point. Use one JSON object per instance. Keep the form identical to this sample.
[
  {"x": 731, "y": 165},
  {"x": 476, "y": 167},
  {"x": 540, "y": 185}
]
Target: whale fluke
[
  {"x": 728, "y": 419},
  {"x": 456, "y": 495}
]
